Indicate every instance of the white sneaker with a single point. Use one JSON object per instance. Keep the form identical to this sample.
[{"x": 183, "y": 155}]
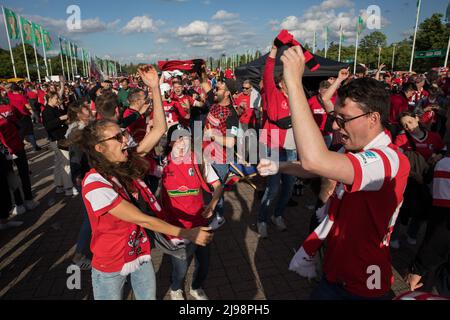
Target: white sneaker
[
  {"x": 31, "y": 204},
  {"x": 395, "y": 244},
  {"x": 177, "y": 295},
  {"x": 72, "y": 192},
  {"x": 10, "y": 224},
  {"x": 412, "y": 241},
  {"x": 262, "y": 230},
  {"x": 19, "y": 210},
  {"x": 59, "y": 190},
  {"x": 279, "y": 222},
  {"x": 217, "y": 222},
  {"x": 198, "y": 294}
]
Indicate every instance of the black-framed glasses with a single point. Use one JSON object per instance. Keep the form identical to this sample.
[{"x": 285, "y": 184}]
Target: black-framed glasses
[
  {"x": 341, "y": 121},
  {"x": 118, "y": 137}
]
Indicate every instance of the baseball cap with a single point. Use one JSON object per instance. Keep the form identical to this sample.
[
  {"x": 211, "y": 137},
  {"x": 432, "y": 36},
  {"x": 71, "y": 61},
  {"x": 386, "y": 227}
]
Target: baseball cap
[{"x": 177, "y": 131}]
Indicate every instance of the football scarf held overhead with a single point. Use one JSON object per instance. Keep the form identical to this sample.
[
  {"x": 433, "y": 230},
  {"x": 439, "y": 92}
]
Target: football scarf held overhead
[
  {"x": 183, "y": 65},
  {"x": 287, "y": 39}
]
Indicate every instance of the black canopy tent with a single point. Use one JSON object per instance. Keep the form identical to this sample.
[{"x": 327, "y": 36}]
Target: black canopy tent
[{"x": 254, "y": 70}]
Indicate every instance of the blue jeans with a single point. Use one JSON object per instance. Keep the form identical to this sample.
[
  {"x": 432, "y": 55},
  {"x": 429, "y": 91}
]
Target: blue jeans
[
  {"x": 109, "y": 286},
  {"x": 84, "y": 237},
  {"x": 180, "y": 268},
  {"x": 326, "y": 290},
  {"x": 222, "y": 171},
  {"x": 273, "y": 189}
]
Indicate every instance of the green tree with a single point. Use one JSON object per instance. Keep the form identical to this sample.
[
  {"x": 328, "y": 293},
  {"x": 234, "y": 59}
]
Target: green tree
[{"x": 433, "y": 34}]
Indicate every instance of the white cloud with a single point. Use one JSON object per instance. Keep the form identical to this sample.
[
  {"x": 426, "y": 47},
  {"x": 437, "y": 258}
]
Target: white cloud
[
  {"x": 141, "y": 24},
  {"x": 194, "y": 28},
  {"x": 318, "y": 17},
  {"x": 162, "y": 40},
  {"x": 87, "y": 25},
  {"x": 224, "y": 15},
  {"x": 334, "y": 4},
  {"x": 216, "y": 30}
]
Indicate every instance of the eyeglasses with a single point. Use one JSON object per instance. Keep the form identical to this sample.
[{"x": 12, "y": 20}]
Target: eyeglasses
[
  {"x": 118, "y": 137},
  {"x": 341, "y": 121}
]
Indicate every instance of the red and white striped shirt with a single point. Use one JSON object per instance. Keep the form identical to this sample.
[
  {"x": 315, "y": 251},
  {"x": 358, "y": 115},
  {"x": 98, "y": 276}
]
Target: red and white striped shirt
[
  {"x": 441, "y": 183},
  {"x": 364, "y": 217}
]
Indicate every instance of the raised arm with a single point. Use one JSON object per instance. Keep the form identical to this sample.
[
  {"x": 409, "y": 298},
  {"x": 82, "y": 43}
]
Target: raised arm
[
  {"x": 150, "y": 78},
  {"x": 328, "y": 95},
  {"x": 313, "y": 153}
]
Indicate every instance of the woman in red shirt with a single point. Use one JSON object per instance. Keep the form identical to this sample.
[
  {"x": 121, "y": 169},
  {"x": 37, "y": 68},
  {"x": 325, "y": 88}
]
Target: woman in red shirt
[
  {"x": 182, "y": 199},
  {"x": 115, "y": 196}
]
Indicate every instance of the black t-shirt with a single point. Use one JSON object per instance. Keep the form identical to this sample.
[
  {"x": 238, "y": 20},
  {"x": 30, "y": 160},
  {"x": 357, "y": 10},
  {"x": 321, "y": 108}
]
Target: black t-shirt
[{"x": 56, "y": 129}]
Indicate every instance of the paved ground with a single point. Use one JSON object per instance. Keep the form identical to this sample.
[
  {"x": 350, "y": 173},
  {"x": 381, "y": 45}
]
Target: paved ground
[{"x": 34, "y": 258}]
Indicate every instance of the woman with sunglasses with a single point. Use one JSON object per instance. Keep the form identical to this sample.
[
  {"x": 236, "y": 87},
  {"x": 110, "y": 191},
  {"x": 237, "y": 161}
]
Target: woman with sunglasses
[{"x": 115, "y": 196}]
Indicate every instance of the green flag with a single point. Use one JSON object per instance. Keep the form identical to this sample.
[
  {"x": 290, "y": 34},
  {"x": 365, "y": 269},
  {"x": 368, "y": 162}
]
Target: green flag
[
  {"x": 360, "y": 25},
  {"x": 62, "y": 44},
  {"x": 27, "y": 31},
  {"x": 37, "y": 34},
  {"x": 48, "y": 44},
  {"x": 13, "y": 26}
]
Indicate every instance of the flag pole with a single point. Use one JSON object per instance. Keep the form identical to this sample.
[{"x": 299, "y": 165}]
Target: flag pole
[
  {"x": 356, "y": 51},
  {"x": 448, "y": 51},
  {"x": 326, "y": 42},
  {"x": 379, "y": 56},
  {"x": 419, "y": 4},
  {"x": 62, "y": 59},
  {"x": 45, "y": 52},
  {"x": 314, "y": 42},
  {"x": 9, "y": 44},
  {"x": 393, "y": 58},
  {"x": 67, "y": 65},
  {"x": 71, "y": 61},
  {"x": 37, "y": 62},
  {"x": 340, "y": 45},
  {"x": 24, "y": 50}
]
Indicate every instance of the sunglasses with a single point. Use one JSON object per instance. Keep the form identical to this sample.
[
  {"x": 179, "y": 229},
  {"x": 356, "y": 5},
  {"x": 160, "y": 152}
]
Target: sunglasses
[
  {"x": 341, "y": 121},
  {"x": 118, "y": 137},
  {"x": 245, "y": 88}
]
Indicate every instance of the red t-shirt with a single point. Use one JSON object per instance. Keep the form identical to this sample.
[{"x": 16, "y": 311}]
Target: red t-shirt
[
  {"x": 432, "y": 143},
  {"x": 276, "y": 107},
  {"x": 399, "y": 104},
  {"x": 9, "y": 133},
  {"x": 109, "y": 234},
  {"x": 174, "y": 112},
  {"x": 248, "y": 116},
  {"x": 365, "y": 215},
  {"x": 32, "y": 95},
  {"x": 18, "y": 102},
  {"x": 182, "y": 111},
  {"x": 41, "y": 97},
  {"x": 137, "y": 129},
  {"x": 182, "y": 196}
]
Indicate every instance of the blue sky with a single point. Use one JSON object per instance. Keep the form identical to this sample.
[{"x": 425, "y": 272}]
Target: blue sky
[{"x": 145, "y": 31}]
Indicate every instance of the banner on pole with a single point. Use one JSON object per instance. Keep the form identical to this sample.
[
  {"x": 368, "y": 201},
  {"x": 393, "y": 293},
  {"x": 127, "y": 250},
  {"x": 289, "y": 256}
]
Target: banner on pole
[
  {"x": 430, "y": 54},
  {"x": 12, "y": 23},
  {"x": 27, "y": 31},
  {"x": 48, "y": 44}
]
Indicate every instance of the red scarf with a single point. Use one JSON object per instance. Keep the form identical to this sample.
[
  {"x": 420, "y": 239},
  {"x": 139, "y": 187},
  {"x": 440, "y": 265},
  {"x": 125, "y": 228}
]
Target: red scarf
[{"x": 137, "y": 248}]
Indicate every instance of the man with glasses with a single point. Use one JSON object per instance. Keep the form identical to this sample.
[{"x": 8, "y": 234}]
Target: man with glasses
[{"x": 371, "y": 174}]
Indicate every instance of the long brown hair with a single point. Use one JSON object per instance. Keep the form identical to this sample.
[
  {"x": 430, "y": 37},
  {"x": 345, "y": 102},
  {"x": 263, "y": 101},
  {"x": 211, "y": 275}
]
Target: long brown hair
[{"x": 135, "y": 168}]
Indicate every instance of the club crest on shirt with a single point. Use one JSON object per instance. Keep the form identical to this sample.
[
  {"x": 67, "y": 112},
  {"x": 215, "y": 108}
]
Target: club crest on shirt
[{"x": 191, "y": 172}]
